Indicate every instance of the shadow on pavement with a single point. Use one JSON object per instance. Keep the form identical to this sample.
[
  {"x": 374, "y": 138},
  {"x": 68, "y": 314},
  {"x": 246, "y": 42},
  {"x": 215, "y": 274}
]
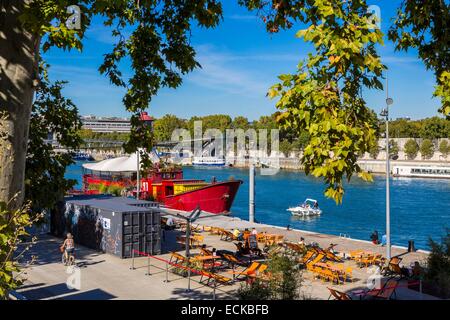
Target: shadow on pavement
[
  {"x": 46, "y": 292},
  {"x": 47, "y": 251},
  {"x": 95, "y": 294}
]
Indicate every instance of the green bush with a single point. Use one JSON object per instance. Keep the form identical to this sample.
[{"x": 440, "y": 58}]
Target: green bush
[
  {"x": 102, "y": 188},
  {"x": 374, "y": 151},
  {"x": 257, "y": 290},
  {"x": 13, "y": 225},
  {"x": 284, "y": 280},
  {"x": 438, "y": 266},
  {"x": 114, "y": 190},
  {"x": 285, "y": 147},
  {"x": 444, "y": 148},
  {"x": 427, "y": 149},
  {"x": 393, "y": 149},
  {"x": 93, "y": 186},
  {"x": 411, "y": 149}
]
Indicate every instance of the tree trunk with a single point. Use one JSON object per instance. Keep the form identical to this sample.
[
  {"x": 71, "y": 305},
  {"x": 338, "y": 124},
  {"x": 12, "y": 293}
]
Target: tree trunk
[{"x": 18, "y": 73}]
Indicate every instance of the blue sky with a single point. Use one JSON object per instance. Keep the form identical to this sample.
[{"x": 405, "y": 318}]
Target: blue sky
[{"x": 240, "y": 61}]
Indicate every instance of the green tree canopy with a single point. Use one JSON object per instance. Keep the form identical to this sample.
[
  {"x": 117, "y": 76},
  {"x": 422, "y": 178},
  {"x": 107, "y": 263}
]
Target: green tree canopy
[
  {"x": 240, "y": 122},
  {"x": 425, "y": 26},
  {"x": 153, "y": 35},
  {"x": 323, "y": 96},
  {"x": 45, "y": 183},
  {"x": 411, "y": 149},
  {"x": 163, "y": 127},
  {"x": 374, "y": 151},
  {"x": 444, "y": 148},
  {"x": 393, "y": 149},
  {"x": 285, "y": 147},
  {"x": 215, "y": 121},
  {"x": 427, "y": 149}
]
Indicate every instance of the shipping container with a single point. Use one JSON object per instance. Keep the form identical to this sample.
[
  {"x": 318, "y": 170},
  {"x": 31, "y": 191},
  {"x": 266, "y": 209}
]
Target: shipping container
[{"x": 114, "y": 225}]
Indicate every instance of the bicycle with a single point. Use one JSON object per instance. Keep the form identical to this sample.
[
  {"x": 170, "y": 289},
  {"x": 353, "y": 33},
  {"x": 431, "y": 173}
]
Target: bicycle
[{"x": 70, "y": 260}]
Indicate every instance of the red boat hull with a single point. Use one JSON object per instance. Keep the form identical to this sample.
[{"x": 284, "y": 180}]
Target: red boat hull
[{"x": 214, "y": 198}]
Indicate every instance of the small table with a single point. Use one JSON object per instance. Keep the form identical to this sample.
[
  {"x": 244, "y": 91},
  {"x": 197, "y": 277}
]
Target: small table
[
  {"x": 204, "y": 259},
  {"x": 330, "y": 267}
]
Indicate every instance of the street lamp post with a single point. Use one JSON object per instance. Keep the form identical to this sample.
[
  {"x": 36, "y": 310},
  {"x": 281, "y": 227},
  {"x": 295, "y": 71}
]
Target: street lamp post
[
  {"x": 138, "y": 175},
  {"x": 146, "y": 123},
  {"x": 385, "y": 113}
]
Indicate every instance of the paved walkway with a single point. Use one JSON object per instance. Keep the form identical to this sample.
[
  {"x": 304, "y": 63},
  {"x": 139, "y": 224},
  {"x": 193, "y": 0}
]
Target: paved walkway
[
  {"x": 103, "y": 276},
  {"x": 324, "y": 240}
]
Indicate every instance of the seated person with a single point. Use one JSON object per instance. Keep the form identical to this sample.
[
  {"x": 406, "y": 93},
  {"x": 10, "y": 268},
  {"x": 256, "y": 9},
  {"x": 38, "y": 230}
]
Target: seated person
[
  {"x": 383, "y": 240},
  {"x": 237, "y": 234},
  {"x": 252, "y": 245},
  {"x": 374, "y": 237},
  {"x": 331, "y": 248},
  {"x": 241, "y": 250},
  {"x": 302, "y": 241},
  {"x": 170, "y": 224}
]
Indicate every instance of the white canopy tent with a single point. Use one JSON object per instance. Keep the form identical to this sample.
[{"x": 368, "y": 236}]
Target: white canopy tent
[{"x": 120, "y": 164}]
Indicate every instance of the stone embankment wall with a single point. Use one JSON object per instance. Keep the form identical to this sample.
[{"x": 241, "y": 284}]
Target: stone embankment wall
[{"x": 378, "y": 165}]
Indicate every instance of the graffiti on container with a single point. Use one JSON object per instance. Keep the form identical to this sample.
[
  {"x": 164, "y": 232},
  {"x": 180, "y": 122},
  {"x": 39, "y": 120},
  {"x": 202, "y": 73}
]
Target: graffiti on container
[{"x": 111, "y": 242}]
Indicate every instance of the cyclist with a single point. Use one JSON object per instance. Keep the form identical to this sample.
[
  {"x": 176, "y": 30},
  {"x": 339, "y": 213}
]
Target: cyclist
[{"x": 69, "y": 246}]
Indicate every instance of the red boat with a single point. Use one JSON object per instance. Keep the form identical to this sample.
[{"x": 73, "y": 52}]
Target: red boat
[{"x": 165, "y": 185}]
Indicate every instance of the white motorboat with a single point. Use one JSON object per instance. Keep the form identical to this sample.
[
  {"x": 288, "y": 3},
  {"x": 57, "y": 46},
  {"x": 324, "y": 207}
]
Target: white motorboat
[
  {"x": 308, "y": 208},
  {"x": 208, "y": 161}
]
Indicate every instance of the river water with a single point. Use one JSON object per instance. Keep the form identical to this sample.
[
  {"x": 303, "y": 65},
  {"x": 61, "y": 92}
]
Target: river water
[{"x": 420, "y": 208}]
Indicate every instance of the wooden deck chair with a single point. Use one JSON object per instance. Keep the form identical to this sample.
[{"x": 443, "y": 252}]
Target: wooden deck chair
[
  {"x": 316, "y": 271},
  {"x": 260, "y": 273},
  {"x": 207, "y": 228},
  {"x": 365, "y": 261},
  {"x": 332, "y": 256},
  {"x": 251, "y": 270},
  {"x": 393, "y": 269},
  {"x": 205, "y": 252},
  {"x": 233, "y": 261},
  {"x": 226, "y": 236},
  {"x": 327, "y": 274},
  {"x": 307, "y": 256},
  {"x": 354, "y": 254},
  {"x": 338, "y": 295},
  {"x": 215, "y": 230},
  {"x": 222, "y": 279},
  {"x": 177, "y": 258},
  {"x": 208, "y": 278},
  {"x": 348, "y": 274},
  {"x": 261, "y": 237},
  {"x": 197, "y": 240},
  {"x": 278, "y": 238},
  {"x": 316, "y": 259},
  {"x": 385, "y": 293}
]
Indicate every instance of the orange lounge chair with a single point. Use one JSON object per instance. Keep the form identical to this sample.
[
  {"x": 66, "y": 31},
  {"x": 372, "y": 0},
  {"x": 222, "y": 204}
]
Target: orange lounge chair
[
  {"x": 307, "y": 257},
  {"x": 385, "y": 293},
  {"x": 338, "y": 295},
  {"x": 210, "y": 277},
  {"x": 227, "y": 235},
  {"x": 232, "y": 260},
  {"x": 245, "y": 273}
]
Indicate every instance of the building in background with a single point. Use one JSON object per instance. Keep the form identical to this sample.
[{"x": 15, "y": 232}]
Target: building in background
[{"x": 106, "y": 124}]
